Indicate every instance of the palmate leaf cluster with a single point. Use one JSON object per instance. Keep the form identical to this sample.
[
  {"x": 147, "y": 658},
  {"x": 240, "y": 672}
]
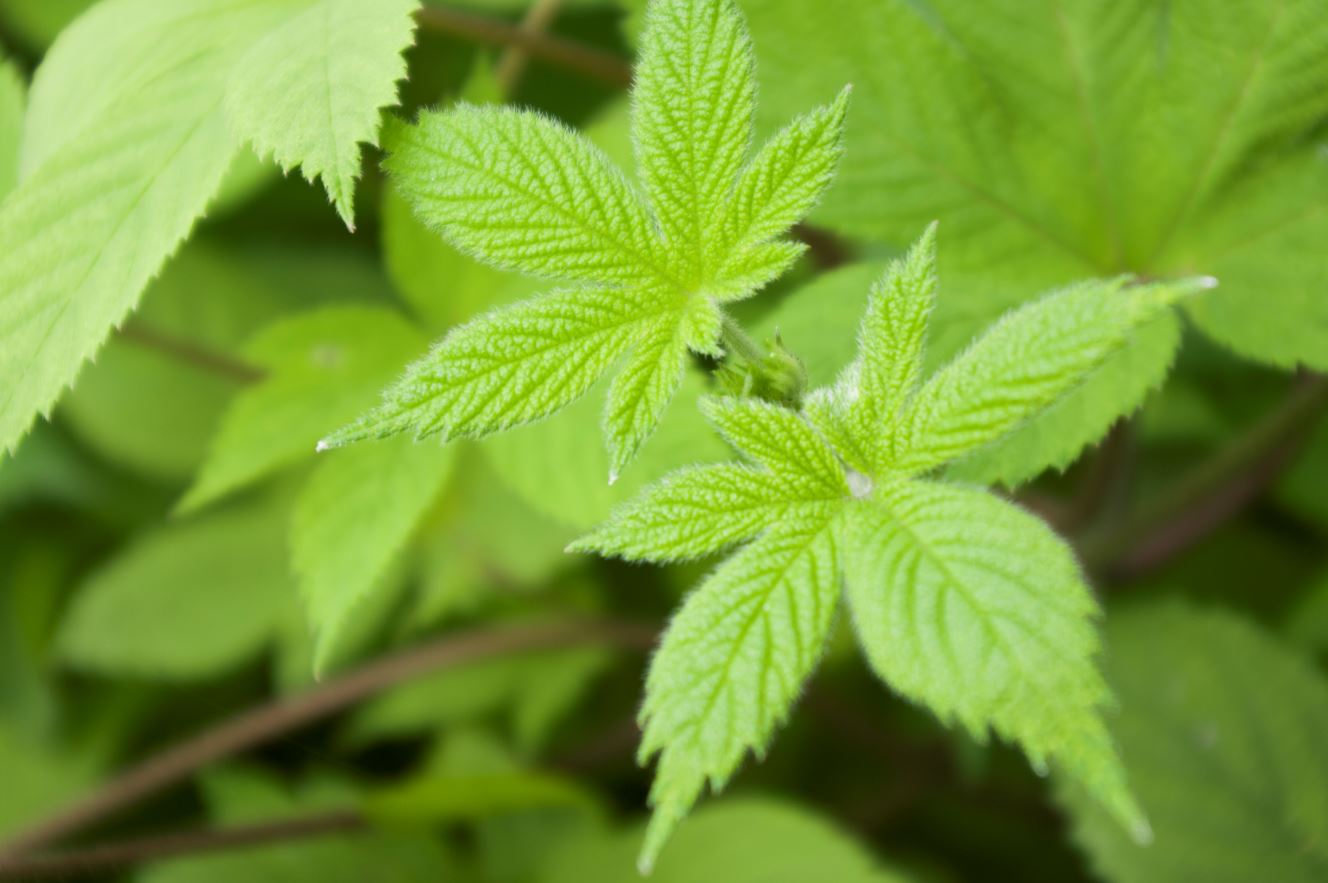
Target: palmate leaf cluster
[
  {"x": 1130, "y": 201},
  {"x": 651, "y": 270},
  {"x": 960, "y": 600}
]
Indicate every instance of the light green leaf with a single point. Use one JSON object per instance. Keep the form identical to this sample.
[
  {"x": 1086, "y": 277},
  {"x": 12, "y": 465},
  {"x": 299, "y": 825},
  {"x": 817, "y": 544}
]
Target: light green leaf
[
  {"x": 732, "y": 663},
  {"x": 748, "y": 840},
  {"x": 322, "y": 368},
  {"x": 1222, "y": 732},
  {"x": 511, "y": 366},
  {"x": 693, "y": 101},
  {"x": 123, "y": 149},
  {"x": 641, "y": 392},
  {"x": 1056, "y": 437},
  {"x": 786, "y": 177},
  {"x": 696, "y": 512},
  {"x": 351, "y": 521},
  {"x": 779, "y": 439},
  {"x": 1025, "y": 363},
  {"x": 13, "y": 98},
  {"x": 189, "y": 600},
  {"x": 309, "y": 93},
  {"x": 524, "y": 193},
  {"x": 970, "y": 606}
]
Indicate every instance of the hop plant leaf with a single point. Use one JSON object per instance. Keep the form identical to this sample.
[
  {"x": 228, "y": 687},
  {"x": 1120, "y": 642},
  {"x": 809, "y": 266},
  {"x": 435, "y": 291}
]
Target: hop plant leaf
[
  {"x": 651, "y": 270},
  {"x": 961, "y": 601}
]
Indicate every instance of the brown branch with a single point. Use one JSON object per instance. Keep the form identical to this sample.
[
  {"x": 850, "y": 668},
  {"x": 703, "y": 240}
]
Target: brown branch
[
  {"x": 176, "y": 764},
  {"x": 596, "y": 64},
  {"x": 185, "y": 351},
  {"x": 103, "y": 859},
  {"x": 513, "y": 63},
  {"x": 1215, "y": 491}
]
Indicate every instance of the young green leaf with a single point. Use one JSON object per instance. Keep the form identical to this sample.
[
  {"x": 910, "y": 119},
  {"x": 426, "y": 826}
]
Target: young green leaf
[
  {"x": 1028, "y": 360},
  {"x": 731, "y": 665},
  {"x": 351, "y": 520},
  {"x": 962, "y": 601},
  {"x": 525, "y": 193},
  {"x": 977, "y": 610},
  {"x": 309, "y": 93}
]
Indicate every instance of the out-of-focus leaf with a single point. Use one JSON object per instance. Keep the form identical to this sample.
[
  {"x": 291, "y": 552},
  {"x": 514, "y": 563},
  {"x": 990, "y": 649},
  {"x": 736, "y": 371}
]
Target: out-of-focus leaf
[
  {"x": 742, "y": 840},
  {"x": 1307, "y": 623},
  {"x": 1222, "y": 731},
  {"x": 1058, "y": 140},
  {"x": 13, "y": 98},
  {"x": 559, "y": 469},
  {"x": 352, "y": 520},
  {"x": 188, "y": 600},
  {"x": 238, "y": 797},
  {"x": 534, "y": 691},
  {"x": 38, "y": 21},
  {"x": 37, "y": 779},
  {"x": 323, "y": 367}
]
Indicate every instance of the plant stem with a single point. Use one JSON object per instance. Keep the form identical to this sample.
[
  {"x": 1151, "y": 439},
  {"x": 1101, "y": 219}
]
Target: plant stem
[
  {"x": 256, "y": 726},
  {"x": 596, "y": 64},
  {"x": 103, "y": 859},
  {"x": 190, "y": 353},
  {"x": 1213, "y": 492},
  {"x": 741, "y": 344},
  {"x": 513, "y": 63}
]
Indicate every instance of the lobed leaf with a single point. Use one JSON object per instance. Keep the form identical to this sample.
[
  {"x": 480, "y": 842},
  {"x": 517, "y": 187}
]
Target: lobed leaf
[
  {"x": 525, "y": 193},
  {"x": 350, "y": 522},
  {"x": 1026, "y": 362},
  {"x": 309, "y": 93},
  {"x": 693, "y": 101},
  {"x": 970, "y": 606},
  {"x": 731, "y": 664},
  {"x": 511, "y": 366}
]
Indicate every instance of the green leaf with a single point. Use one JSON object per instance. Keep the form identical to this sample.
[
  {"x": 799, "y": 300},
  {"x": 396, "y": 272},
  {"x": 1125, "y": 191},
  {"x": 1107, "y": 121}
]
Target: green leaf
[
  {"x": 122, "y": 151},
  {"x": 1058, "y": 140},
  {"x": 694, "y": 98},
  {"x": 731, "y": 665},
  {"x": 780, "y": 440},
  {"x": 996, "y": 384},
  {"x": 38, "y": 779},
  {"x": 351, "y": 521},
  {"x": 748, "y": 840},
  {"x": 322, "y": 367},
  {"x": 13, "y": 98},
  {"x": 558, "y": 466},
  {"x": 511, "y": 366},
  {"x": 1222, "y": 732},
  {"x": 525, "y": 193},
  {"x": 696, "y": 512},
  {"x": 187, "y": 601},
  {"x": 1056, "y": 437},
  {"x": 976, "y": 609},
  {"x": 309, "y": 93},
  {"x": 641, "y": 392}
]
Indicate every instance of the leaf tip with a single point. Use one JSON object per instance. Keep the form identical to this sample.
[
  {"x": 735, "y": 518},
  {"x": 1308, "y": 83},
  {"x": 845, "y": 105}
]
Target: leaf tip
[{"x": 1141, "y": 832}]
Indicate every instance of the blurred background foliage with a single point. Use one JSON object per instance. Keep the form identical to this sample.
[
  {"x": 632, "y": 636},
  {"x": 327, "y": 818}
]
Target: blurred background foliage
[{"x": 158, "y": 533}]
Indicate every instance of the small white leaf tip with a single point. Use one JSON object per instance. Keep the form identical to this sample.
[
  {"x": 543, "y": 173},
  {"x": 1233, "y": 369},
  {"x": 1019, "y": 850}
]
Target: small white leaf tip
[
  {"x": 1142, "y": 833},
  {"x": 323, "y": 445},
  {"x": 613, "y": 477},
  {"x": 1207, "y": 282}
]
